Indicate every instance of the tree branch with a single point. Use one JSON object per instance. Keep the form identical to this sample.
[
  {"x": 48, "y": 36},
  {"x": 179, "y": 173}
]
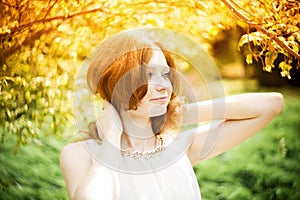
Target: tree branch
[
  {"x": 24, "y": 41},
  {"x": 49, "y": 9},
  {"x": 36, "y": 34},
  {"x": 6, "y": 4},
  {"x": 238, "y": 12},
  {"x": 65, "y": 17}
]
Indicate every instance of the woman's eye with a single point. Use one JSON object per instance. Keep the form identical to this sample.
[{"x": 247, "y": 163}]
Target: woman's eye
[
  {"x": 166, "y": 75},
  {"x": 149, "y": 74}
]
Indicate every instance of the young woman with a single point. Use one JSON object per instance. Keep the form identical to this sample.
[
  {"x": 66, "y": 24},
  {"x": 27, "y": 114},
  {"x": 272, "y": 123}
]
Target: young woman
[{"x": 137, "y": 149}]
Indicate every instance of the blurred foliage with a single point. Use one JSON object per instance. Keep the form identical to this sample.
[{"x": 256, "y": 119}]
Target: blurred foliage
[
  {"x": 26, "y": 175},
  {"x": 273, "y": 30},
  {"x": 27, "y": 106}
]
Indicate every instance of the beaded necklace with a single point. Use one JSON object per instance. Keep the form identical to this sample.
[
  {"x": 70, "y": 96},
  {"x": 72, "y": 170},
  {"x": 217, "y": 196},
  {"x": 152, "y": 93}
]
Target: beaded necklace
[{"x": 145, "y": 154}]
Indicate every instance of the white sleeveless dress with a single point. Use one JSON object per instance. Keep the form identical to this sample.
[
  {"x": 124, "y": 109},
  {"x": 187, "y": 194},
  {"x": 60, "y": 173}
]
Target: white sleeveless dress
[{"x": 176, "y": 181}]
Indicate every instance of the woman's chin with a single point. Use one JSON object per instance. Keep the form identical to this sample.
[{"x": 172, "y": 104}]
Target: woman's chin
[{"x": 157, "y": 110}]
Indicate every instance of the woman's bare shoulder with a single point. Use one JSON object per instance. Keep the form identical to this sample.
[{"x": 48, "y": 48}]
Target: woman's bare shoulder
[
  {"x": 75, "y": 161},
  {"x": 76, "y": 150},
  {"x": 75, "y": 147}
]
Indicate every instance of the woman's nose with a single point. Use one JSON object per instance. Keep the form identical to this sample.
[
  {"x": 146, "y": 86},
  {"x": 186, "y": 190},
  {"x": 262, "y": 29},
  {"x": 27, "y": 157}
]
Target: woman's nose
[
  {"x": 160, "y": 87},
  {"x": 160, "y": 83}
]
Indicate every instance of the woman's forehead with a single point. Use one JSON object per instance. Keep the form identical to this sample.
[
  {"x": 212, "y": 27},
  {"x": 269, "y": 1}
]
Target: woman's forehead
[{"x": 158, "y": 58}]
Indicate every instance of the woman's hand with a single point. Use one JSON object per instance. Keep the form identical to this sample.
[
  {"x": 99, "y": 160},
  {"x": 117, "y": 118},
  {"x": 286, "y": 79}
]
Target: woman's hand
[{"x": 109, "y": 125}]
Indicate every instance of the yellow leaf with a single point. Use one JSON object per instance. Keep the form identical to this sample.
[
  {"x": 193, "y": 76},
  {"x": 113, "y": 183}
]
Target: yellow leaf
[
  {"x": 270, "y": 58},
  {"x": 285, "y": 69},
  {"x": 249, "y": 59}
]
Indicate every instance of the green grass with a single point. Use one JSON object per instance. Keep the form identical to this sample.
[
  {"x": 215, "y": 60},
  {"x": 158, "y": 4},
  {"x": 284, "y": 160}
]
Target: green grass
[
  {"x": 267, "y": 166},
  {"x": 33, "y": 173}
]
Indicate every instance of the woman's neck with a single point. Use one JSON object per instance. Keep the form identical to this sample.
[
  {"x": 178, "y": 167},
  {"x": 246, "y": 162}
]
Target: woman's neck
[{"x": 138, "y": 134}]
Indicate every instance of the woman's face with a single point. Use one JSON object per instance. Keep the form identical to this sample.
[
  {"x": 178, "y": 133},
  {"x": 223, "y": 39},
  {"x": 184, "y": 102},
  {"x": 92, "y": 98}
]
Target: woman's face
[{"x": 158, "y": 95}]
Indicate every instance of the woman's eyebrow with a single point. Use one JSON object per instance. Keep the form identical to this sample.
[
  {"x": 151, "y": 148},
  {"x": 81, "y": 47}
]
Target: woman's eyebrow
[
  {"x": 151, "y": 67},
  {"x": 163, "y": 67},
  {"x": 167, "y": 68}
]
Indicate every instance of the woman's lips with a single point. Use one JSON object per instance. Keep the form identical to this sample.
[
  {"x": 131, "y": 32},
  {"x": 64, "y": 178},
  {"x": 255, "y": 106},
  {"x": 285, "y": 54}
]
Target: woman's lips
[{"x": 160, "y": 100}]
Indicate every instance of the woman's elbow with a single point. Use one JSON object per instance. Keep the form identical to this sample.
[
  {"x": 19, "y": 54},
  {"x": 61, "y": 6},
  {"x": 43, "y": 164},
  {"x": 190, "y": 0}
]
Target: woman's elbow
[{"x": 277, "y": 103}]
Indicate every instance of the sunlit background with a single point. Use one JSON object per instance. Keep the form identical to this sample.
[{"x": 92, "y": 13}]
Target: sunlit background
[{"x": 254, "y": 43}]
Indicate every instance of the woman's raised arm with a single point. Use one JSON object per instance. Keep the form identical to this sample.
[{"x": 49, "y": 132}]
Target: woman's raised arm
[{"x": 239, "y": 116}]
